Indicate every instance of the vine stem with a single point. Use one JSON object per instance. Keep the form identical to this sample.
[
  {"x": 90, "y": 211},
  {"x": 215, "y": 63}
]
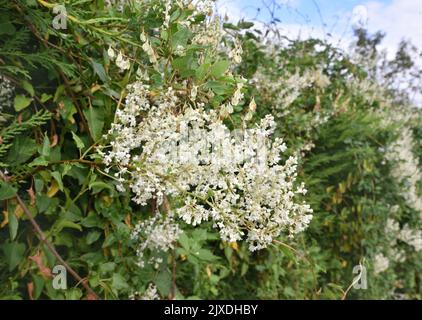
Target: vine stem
[{"x": 50, "y": 246}]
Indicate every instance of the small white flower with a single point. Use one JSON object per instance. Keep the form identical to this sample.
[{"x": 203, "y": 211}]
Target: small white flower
[
  {"x": 252, "y": 105},
  {"x": 238, "y": 95},
  {"x": 111, "y": 54},
  {"x": 180, "y": 51},
  {"x": 193, "y": 92},
  {"x": 381, "y": 263},
  {"x": 122, "y": 63}
]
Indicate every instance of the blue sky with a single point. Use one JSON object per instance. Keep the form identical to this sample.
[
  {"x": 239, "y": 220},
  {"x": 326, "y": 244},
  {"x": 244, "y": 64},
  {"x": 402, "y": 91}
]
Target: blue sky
[{"x": 334, "y": 18}]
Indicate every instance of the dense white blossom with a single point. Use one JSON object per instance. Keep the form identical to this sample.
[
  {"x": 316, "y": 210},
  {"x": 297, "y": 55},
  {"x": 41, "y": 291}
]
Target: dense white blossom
[
  {"x": 411, "y": 237},
  {"x": 236, "y": 53},
  {"x": 236, "y": 181},
  {"x": 381, "y": 263},
  {"x": 6, "y": 93},
  {"x": 287, "y": 89},
  {"x": 157, "y": 233},
  {"x": 168, "y": 145},
  {"x": 406, "y": 168},
  {"x": 121, "y": 62},
  {"x": 149, "y": 294}
]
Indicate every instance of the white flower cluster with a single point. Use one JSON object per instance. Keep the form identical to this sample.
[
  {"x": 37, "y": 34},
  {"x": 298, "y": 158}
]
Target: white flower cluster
[
  {"x": 149, "y": 294},
  {"x": 370, "y": 90},
  {"x": 381, "y": 263},
  {"x": 286, "y": 90},
  {"x": 411, "y": 237},
  {"x": 157, "y": 233},
  {"x": 406, "y": 169},
  {"x": 184, "y": 152},
  {"x": 236, "y": 53},
  {"x": 118, "y": 4},
  {"x": 6, "y": 93},
  {"x": 209, "y": 35},
  {"x": 165, "y": 143},
  {"x": 122, "y": 62},
  {"x": 394, "y": 234},
  {"x": 392, "y": 231}
]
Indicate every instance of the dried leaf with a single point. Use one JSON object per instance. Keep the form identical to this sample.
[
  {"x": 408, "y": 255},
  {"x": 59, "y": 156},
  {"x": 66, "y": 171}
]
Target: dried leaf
[
  {"x": 32, "y": 197},
  {"x": 5, "y": 219},
  {"x": 30, "y": 287},
  {"x": 44, "y": 270},
  {"x": 90, "y": 296}
]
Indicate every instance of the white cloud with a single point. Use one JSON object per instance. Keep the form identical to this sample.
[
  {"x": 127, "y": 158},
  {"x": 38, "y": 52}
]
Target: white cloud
[
  {"x": 401, "y": 19},
  {"x": 230, "y": 9},
  {"x": 236, "y": 10}
]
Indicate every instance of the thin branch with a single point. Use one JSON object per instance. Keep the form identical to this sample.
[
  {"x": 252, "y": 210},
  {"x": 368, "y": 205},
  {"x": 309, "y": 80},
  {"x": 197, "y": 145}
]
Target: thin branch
[{"x": 49, "y": 245}]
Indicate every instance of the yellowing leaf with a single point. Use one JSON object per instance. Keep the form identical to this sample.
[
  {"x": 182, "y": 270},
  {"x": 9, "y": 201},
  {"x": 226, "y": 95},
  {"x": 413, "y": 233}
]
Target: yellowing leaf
[
  {"x": 5, "y": 219},
  {"x": 19, "y": 211},
  {"x": 208, "y": 270},
  {"x": 342, "y": 187},
  {"x": 127, "y": 220},
  {"x": 54, "y": 188},
  {"x": 234, "y": 246}
]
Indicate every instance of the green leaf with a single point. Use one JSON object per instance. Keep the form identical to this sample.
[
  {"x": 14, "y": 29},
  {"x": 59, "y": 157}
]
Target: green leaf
[
  {"x": 218, "y": 88},
  {"x": 38, "y": 285},
  {"x": 109, "y": 240},
  {"x": 164, "y": 282},
  {"x": 184, "y": 241},
  {"x": 59, "y": 92},
  {"x": 201, "y": 71},
  {"x": 230, "y": 26},
  {"x": 6, "y": 191},
  {"x": 97, "y": 186},
  {"x": 28, "y": 87},
  {"x": 218, "y": 68},
  {"x": 67, "y": 109},
  {"x": 245, "y": 24},
  {"x": 181, "y": 37},
  {"x": 7, "y": 27},
  {"x": 243, "y": 269},
  {"x": 67, "y": 224},
  {"x": 185, "y": 65},
  {"x": 79, "y": 143},
  {"x": 92, "y": 220},
  {"x": 73, "y": 294},
  {"x": 13, "y": 254},
  {"x": 43, "y": 202},
  {"x": 206, "y": 255},
  {"x": 45, "y": 97},
  {"x": 22, "y": 149},
  {"x": 40, "y": 161},
  {"x": 45, "y": 150},
  {"x": 21, "y": 102},
  {"x": 58, "y": 177},
  {"x": 118, "y": 282},
  {"x": 100, "y": 71},
  {"x": 92, "y": 237},
  {"x": 107, "y": 267},
  {"x": 95, "y": 118},
  {"x": 13, "y": 225}
]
